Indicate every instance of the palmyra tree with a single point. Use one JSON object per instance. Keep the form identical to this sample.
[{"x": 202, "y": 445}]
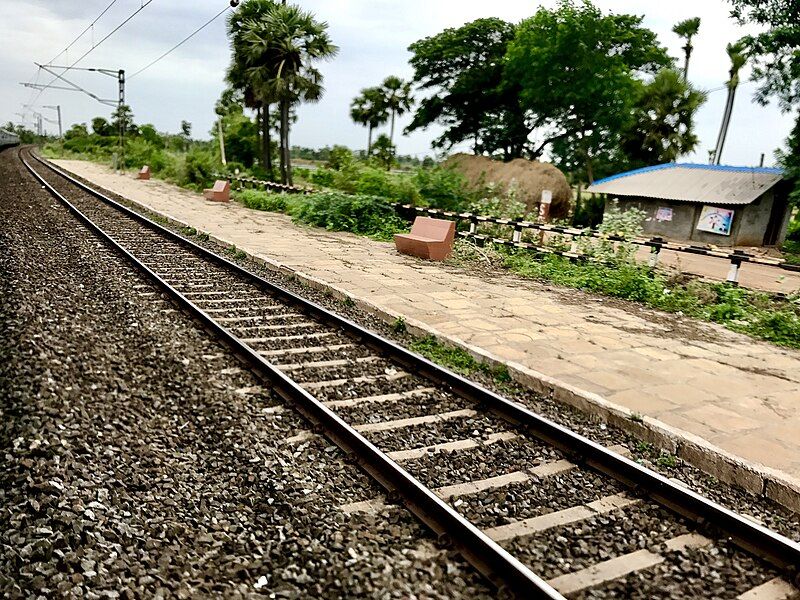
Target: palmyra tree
[
  {"x": 687, "y": 30},
  {"x": 369, "y": 109}
]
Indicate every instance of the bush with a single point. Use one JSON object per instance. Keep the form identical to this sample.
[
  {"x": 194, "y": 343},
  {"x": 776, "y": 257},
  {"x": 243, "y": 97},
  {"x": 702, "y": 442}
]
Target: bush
[
  {"x": 339, "y": 158},
  {"x": 198, "y": 169},
  {"x": 443, "y": 188},
  {"x": 366, "y": 215},
  {"x": 259, "y": 200},
  {"x": 754, "y": 313},
  {"x": 323, "y": 177}
]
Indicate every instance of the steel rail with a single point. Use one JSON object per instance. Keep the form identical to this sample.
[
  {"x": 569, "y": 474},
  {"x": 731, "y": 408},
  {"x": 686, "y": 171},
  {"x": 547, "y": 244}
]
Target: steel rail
[
  {"x": 778, "y": 550},
  {"x": 488, "y": 557}
]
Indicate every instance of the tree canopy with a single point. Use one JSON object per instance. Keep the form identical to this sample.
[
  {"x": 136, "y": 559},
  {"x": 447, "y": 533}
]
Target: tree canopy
[
  {"x": 462, "y": 71},
  {"x": 776, "y": 51},
  {"x": 577, "y": 69},
  {"x": 663, "y": 121},
  {"x": 275, "y": 48}
]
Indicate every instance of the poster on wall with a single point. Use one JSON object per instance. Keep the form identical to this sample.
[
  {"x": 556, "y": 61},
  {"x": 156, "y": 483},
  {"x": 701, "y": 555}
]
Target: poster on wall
[
  {"x": 715, "y": 220},
  {"x": 664, "y": 214}
]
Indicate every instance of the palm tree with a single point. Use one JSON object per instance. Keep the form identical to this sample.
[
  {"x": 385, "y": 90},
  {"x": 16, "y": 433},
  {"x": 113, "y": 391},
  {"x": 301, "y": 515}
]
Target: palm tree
[
  {"x": 282, "y": 48},
  {"x": 276, "y": 49},
  {"x": 687, "y": 30},
  {"x": 738, "y": 56},
  {"x": 240, "y": 78},
  {"x": 663, "y": 121},
  {"x": 398, "y": 99},
  {"x": 369, "y": 109}
]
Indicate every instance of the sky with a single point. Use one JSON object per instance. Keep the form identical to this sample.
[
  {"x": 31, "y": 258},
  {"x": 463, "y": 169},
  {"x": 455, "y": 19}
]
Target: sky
[{"x": 373, "y": 36}]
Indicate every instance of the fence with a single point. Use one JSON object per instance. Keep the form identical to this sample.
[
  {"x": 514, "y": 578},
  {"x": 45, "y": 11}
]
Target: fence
[
  {"x": 656, "y": 244},
  {"x": 270, "y": 186},
  {"x": 518, "y": 226}
]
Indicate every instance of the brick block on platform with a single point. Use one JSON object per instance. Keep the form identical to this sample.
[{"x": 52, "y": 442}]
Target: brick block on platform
[
  {"x": 429, "y": 238},
  {"x": 221, "y": 192},
  {"x": 144, "y": 173}
]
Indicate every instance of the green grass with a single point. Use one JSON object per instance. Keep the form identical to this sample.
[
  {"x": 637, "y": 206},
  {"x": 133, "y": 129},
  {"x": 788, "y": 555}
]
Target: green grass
[
  {"x": 457, "y": 359},
  {"x": 371, "y": 216},
  {"x": 745, "y": 311}
]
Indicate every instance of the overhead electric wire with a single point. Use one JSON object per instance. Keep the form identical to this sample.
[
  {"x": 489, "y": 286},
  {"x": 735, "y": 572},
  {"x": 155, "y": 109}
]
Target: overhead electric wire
[
  {"x": 183, "y": 41},
  {"x": 85, "y": 54},
  {"x": 82, "y": 33}
]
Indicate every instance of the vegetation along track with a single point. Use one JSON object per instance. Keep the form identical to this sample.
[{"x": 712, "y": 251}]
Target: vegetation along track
[{"x": 540, "y": 510}]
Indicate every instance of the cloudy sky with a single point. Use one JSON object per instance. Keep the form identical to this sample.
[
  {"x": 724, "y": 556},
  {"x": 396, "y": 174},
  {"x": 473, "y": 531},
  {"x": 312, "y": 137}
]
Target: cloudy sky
[{"x": 373, "y": 36}]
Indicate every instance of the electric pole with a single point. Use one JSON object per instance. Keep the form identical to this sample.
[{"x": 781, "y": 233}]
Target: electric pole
[
  {"x": 57, "y": 108},
  {"x": 122, "y": 124},
  {"x": 221, "y": 142}
]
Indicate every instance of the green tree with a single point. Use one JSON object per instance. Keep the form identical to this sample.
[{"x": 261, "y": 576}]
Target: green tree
[
  {"x": 242, "y": 135},
  {"x": 790, "y": 159},
  {"x": 577, "y": 69},
  {"x": 736, "y": 52},
  {"x": 78, "y": 130},
  {"x": 280, "y": 51},
  {"x": 775, "y": 52},
  {"x": 775, "y": 56},
  {"x": 101, "y": 126},
  {"x": 123, "y": 117},
  {"x": 461, "y": 70},
  {"x": 369, "y": 109},
  {"x": 247, "y": 87},
  {"x": 687, "y": 30},
  {"x": 398, "y": 99},
  {"x": 383, "y": 151},
  {"x": 663, "y": 123}
]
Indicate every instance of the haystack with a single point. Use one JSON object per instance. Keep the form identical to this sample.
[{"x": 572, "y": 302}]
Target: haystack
[{"x": 531, "y": 177}]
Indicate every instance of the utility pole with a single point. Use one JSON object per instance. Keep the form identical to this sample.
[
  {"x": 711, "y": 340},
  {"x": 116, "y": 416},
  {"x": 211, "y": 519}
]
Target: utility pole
[
  {"x": 119, "y": 103},
  {"x": 57, "y": 108},
  {"x": 221, "y": 142},
  {"x": 122, "y": 124}
]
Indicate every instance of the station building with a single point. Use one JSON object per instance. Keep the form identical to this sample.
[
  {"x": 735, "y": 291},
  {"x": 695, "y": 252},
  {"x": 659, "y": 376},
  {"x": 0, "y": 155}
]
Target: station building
[{"x": 705, "y": 204}]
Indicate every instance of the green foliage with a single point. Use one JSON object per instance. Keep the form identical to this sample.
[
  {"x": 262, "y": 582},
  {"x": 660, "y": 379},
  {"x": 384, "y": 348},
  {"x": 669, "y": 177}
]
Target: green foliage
[
  {"x": 383, "y": 151},
  {"x": 339, "y": 158},
  {"x": 663, "y": 121},
  {"x": 275, "y": 51},
  {"x": 324, "y": 177},
  {"x": 260, "y": 200},
  {"x": 399, "y": 325},
  {"x": 750, "y": 312},
  {"x": 462, "y": 69},
  {"x": 775, "y": 51},
  {"x": 369, "y": 109},
  {"x": 457, "y": 359},
  {"x": 360, "y": 178},
  {"x": 198, "y": 168},
  {"x": 366, "y": 215},
  {"x": 442, "y": 188},
  {"x": 585, "y": 111},
  {"x": 501, "y": 204}
]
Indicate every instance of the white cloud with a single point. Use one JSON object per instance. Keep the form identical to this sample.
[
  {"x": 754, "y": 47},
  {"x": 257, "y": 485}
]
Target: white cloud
[{"x": 373, "y": 36}]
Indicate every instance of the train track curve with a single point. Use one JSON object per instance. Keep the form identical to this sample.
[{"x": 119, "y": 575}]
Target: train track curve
[{"x": 404, "y": 420}]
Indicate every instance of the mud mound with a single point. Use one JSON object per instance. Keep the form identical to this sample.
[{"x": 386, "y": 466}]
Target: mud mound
[{"x": 531, "y": 178}]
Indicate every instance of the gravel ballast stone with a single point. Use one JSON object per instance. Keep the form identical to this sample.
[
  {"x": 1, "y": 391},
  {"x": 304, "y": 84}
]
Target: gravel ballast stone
[{"x": 131, "y": 467}]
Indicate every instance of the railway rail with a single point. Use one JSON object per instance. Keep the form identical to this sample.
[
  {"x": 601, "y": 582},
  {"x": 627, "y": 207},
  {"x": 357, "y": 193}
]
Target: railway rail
[{"x": 432, "y": 439}]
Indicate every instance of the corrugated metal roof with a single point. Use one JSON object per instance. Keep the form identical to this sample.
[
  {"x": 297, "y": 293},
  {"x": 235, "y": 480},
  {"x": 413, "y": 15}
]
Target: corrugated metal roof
[{"x": 709, "y": 184}]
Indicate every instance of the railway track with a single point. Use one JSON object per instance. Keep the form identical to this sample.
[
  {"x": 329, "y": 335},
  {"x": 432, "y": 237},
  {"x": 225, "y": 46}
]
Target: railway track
[{"x": 538, "y": 509}]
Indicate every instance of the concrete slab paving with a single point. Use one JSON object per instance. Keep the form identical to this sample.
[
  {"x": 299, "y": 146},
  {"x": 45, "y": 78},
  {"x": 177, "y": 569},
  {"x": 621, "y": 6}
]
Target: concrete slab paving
[{"x": 707, "y": 381}]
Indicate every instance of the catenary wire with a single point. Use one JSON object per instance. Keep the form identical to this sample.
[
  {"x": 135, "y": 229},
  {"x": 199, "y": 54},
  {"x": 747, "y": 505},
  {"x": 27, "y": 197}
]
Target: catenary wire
[{"x": 182, "y": 42}]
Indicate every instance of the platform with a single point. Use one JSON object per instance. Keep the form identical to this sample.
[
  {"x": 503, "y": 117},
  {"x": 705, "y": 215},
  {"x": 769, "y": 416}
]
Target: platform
[{"x": 710, "y": 387}]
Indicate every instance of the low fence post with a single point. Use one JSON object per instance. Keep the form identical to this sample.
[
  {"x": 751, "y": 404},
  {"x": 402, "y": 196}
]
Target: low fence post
[
  {"x": 733, "y": 272},
  {"x": 516, "y": 237},
  {"x": 473, "y": 224},
  {"x": 655, "y": 251}
]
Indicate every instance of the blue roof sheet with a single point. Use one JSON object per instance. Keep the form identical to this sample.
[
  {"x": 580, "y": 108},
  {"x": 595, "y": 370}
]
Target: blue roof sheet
[{"x": 705, "y": 167}]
